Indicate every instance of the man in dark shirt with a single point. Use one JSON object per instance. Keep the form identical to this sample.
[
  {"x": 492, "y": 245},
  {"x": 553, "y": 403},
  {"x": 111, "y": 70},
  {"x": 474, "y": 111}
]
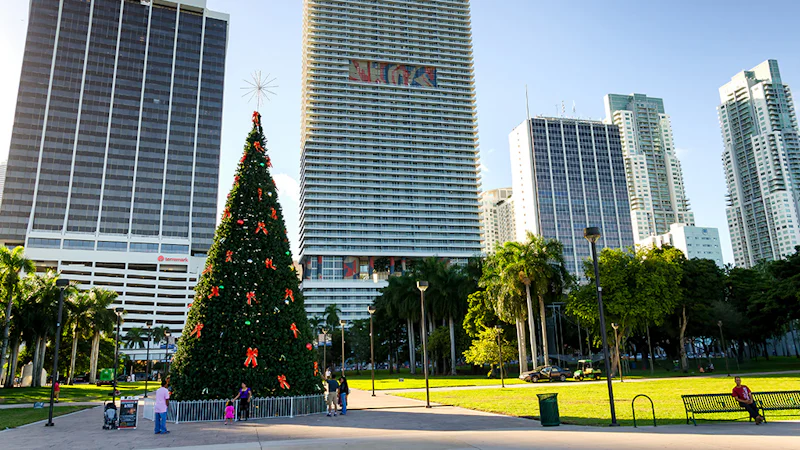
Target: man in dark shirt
[
  {"x": 333, "y": 396},
  {"x": 745, "y": 398}
]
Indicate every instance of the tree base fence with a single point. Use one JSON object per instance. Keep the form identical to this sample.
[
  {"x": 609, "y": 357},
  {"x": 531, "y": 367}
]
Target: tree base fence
[{"x": 214, "y": 410}]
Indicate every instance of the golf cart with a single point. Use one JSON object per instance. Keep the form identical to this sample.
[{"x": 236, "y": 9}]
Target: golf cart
[{"x": 585, "y": 370}]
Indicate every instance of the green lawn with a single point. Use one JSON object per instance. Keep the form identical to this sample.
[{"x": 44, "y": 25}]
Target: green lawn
[
  {"x": 74, "y": 393},
  {"x": 775, "y": 364},
  {"x": 383, "y": 380},
  {"x": 587, "y": 404},
  {"x": 12, "y": 418}
]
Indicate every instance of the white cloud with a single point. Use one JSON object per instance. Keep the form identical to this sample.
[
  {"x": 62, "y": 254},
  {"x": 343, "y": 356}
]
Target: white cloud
[
  {"x": 491, "y": 150},
  {"x": 681, "y": 152},
  {"x": 483, "y": 168},
  {"x": 288, "y": 187}
]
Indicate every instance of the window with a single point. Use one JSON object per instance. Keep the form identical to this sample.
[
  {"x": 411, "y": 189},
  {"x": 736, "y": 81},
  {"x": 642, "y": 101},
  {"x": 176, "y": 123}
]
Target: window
[
  {"x": 172, "y": 248},
  {"x": 112, "y": 246},
  {"x": 44, "y": 243},
  {"x": 143, "y": 247},
  {"x": 79, "y": 245}
]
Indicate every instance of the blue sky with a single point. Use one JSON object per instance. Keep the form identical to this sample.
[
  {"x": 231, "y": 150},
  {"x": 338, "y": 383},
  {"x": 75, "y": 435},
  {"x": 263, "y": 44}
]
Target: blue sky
[{"x": 682, "y": 51}]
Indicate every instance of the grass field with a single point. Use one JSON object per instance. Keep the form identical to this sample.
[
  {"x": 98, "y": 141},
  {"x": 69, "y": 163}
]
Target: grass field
[
  {"x": 12, "y": 418},
  {"x": 74, "y": 393},
  {"x": 775, "y": 364},
  {"x": 587, "y": 404},
  {"x": 383, "y": 380}
]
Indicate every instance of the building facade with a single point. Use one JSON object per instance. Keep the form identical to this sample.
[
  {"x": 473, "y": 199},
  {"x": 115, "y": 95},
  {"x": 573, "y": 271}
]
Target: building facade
[
  {"x": 569, "y": 174},
  {"x": 694, "y": 242},
  {"x": 389, "y": 167},
  {"x": 654, "y": 178},
  {"x": 114, "y": 160},
  {"x": 3, "y": 167},
  {"x": 497, "y": 218},
  {"x": 762, "y": 164}
]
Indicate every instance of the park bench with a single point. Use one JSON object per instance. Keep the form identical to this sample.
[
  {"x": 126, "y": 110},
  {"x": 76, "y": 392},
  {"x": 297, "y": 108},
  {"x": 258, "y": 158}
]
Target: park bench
[{"x": 722, "y": 403}]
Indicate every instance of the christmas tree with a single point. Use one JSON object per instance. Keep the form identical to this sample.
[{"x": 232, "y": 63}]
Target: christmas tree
[{"x": 247, "y": 323}]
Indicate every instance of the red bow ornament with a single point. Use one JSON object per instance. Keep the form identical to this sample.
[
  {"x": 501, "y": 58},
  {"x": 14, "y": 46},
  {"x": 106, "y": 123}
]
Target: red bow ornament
[
  {"x": 257, "y": 146},
  {"x": 244, "y": 156},
  {"x": 228, "y": 256},
  {"x": 274, "y": 214},
  {"x": 256, "y": 117},
  {"x": 289, "y": 294},
  {"x": 282, "y": 381},
  {"x": 197, "y": 329},
  {"x": 226, "y": 214},
  {"x": 261, "y": 227},
  {"x": 251, "y": 296},
  {"x": 236, "y": 180},
  {"x": 214, "y": 292},
  {"x": 208, "y": 269},
  {"x": 269, "y": 264},
  {"x": 316, "y": 368},
  {"x": 259, "y": 194},
  {"x": 269, "y": 162},
  {"x": 294, "y": 330},
  {"x": 251, "y": 357}
]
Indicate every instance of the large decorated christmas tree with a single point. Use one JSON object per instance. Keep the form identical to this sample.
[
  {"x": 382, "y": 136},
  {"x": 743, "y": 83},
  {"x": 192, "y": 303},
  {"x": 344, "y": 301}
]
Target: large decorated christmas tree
[{"x": 247, "y": 323}]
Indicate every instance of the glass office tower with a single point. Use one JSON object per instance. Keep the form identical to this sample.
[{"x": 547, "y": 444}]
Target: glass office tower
[
  {"x": 389, "y": 168},
  {"x": 114, "y": 160}
]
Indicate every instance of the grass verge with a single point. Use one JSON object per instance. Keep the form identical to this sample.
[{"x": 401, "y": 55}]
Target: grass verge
[
  {"x": 74, "y": 393},
  {"x": 12, "y": 418}
]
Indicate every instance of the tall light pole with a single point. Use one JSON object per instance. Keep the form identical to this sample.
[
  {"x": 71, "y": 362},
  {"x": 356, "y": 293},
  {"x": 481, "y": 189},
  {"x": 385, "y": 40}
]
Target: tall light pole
[
  {"x": 342, "y": 323},
  {"x": 371, "y": 310},
  {"x": 168, "y": 337},
  {"x": 118, "y": 311},
  {"x": 149, "y": 326},
  {"x": 499, "y": 330},
  {"x": 61, "y": 283},
  {"x": 324, "y": 350},
  {"x": 615, "y": 326},
  {"x": 422, "y": 286},
  {"x": 724, "y": 349},
  {"x": 592, "y": 234}
]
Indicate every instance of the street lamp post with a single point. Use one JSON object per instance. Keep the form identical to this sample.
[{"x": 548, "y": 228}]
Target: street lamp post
[
  {"x": 422, "y": 286},
  {"x": 118, "y": 311},
  {"x": 342, "y": 323},
  {"x": 324, "y": 350},
  {"x": 724, "y": 349},
  {"x": 61, "y": 283},
  {"x": 615, "y": 326},
  {"x": 371, "y": 310},
  {"x": 149, "y": 326},
  {"x": 499, "y": 330},
  {"x": 592, "y": 234},
  {"x": 168, "y": 337}
]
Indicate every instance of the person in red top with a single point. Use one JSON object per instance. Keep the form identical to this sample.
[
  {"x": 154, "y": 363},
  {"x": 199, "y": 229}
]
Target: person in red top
[{"x": 744, "y": 396}]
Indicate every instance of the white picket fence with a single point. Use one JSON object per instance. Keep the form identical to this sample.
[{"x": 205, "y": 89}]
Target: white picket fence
[{"x": 214, "y": 410}]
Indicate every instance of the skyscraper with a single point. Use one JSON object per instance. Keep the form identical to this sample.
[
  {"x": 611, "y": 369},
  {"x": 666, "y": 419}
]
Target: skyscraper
[
  {"x": 569, "y": 174},
  {"x": 654, "y": 177},
  {"x": 762, "y": 164},
  {"x": 497, "y": 218},
  {"x": 389, "y": 145},
  {"x": 114, "y": 158}
]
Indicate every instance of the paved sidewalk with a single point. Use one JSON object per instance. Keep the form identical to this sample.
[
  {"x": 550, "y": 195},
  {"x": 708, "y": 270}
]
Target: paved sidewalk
[{"x": 386, "y": 421}]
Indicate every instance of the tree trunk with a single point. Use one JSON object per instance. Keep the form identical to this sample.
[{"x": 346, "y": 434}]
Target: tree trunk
[
  {"x": 13, "y": 353},
  {"x": 94, "y": 357},
  {"x": 74, "y": 352},
  {"x": 650, "y": 351},
  {"x": 36, "y": 373},
  {"x": 531, "y": 328},
  {"x": 794, "y": 341},
  {"x": 412, "y": 349},
  {"x": 545, "y": 344},
  {"x": 766, "y": 350},
  {"x": 523, "y": 357},
  {"x": 452, "y": 347},
  {"x": 7, "y": 325},
  {"x": 682, "y": 341}
]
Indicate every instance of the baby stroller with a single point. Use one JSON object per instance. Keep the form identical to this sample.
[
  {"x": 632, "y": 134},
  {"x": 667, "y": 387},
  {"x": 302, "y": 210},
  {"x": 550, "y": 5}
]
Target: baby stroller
[{"x": 109, "y": 416}]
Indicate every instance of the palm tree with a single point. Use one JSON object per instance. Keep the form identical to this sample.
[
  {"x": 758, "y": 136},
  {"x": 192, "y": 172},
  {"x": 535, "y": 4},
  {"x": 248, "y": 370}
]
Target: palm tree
[
  {"x": 507, "y": 299},
  {"x": 80, "y": 308},
  {"x": 40, "y": 300},
  {"x": 332, "y": 316},
  {"x": 401, "y": 299},
  {"x": 12, "y": 262},
  {"x": 103, "y": 320},
  {"x": 159, "y": 334},
  {"x": 450, "y": 301},
  {"x": 134, "y": 338}
]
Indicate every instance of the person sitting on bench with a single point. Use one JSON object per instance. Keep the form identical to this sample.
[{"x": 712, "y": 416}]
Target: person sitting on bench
[{"x": 744, "y": 396}]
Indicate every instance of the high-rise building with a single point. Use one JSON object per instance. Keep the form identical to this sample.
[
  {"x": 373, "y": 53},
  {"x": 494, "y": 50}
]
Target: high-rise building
[
  {"x": 569, "y": 174},
  {"x": 114, "y": 160},
  {"x": 694, "y": 242},
  {"x": 762, "y": 164},
  {"x": 3, "y": 167},
  {"x": 497, "y": 218},
  {"x": 389, "y": 167},
  {"x": 654, "y": 178}
]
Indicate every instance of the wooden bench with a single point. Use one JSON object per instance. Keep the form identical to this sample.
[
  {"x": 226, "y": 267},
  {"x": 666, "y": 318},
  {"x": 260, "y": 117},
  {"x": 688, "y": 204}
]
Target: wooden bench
[{"x": 722, "y": 403}]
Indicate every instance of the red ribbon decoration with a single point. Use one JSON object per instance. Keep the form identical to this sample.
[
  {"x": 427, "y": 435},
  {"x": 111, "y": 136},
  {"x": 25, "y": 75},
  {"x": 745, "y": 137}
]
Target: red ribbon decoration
[
  {"x": 259, "y": 194},
  {"x": 244, "y": 156},
  {"x": 251, "y": 357},
  {"x": 226, "y": 214},
  {"x": 261, "y": 227},
  {"x": 289, "y": 294},
  {"x": 274, "y": 214},
  {"x": 269, "y": 162},
  {"x": 228, "y": 256},
  {"x": 257, "y": 146},
  {"x": 294, "y": 330},
  {"x": 197, "y": 329},
  {"x": 269, "y": 264},
  {"x": 236, "y": 180},
  {"x": 256, "y": 117},
  {"x": 282, "y": 381},
  {"x": 251, "y": 296},
  {"x": 208, "y": 269},
  {"x": 316, "y": 368},
  {"x": 214, "y": 292}
]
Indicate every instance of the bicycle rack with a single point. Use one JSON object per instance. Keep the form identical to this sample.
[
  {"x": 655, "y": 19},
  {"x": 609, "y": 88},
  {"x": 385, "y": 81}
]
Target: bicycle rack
[{"x": 633, "y": 410}]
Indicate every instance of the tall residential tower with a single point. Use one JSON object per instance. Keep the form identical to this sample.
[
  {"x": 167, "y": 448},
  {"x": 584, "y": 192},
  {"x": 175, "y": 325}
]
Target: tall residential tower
[
  {"x": 654, "y": 178},
  {"x": 762, "y": 164},
  {"x": 114, "y": 159},
  {"x": 389, "y": 166}
]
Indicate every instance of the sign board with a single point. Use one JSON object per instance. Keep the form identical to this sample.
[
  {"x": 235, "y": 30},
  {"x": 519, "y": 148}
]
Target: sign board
[
  {"x": 38, "y": 405},
  {"x": 128, "y": 413}
]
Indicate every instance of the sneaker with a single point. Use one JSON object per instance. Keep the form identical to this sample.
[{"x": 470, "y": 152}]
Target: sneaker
[
  {"x": 165, "y": 432},
  {"x": 759, "y": 419},
  {"x": 329, "y": 415}
]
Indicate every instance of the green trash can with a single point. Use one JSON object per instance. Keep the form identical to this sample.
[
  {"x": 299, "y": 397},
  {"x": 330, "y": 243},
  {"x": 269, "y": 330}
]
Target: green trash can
[{"x": 548, "y": 410}]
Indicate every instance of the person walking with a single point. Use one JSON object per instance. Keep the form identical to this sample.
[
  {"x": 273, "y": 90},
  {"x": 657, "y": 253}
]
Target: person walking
[
  {"x": 160, "y": 409},
  {"x": 344, "y": 391},
  {"x": 744, "y": 396},
  {"x": 332, "y": 397},
  {"x": 57, "y": 389},
  {"x": 244, "y": 401}
]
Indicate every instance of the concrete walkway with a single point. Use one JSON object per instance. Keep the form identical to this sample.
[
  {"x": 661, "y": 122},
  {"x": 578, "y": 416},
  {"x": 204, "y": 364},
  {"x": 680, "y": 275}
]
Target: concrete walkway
[{"x": 386, "y": 421}]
